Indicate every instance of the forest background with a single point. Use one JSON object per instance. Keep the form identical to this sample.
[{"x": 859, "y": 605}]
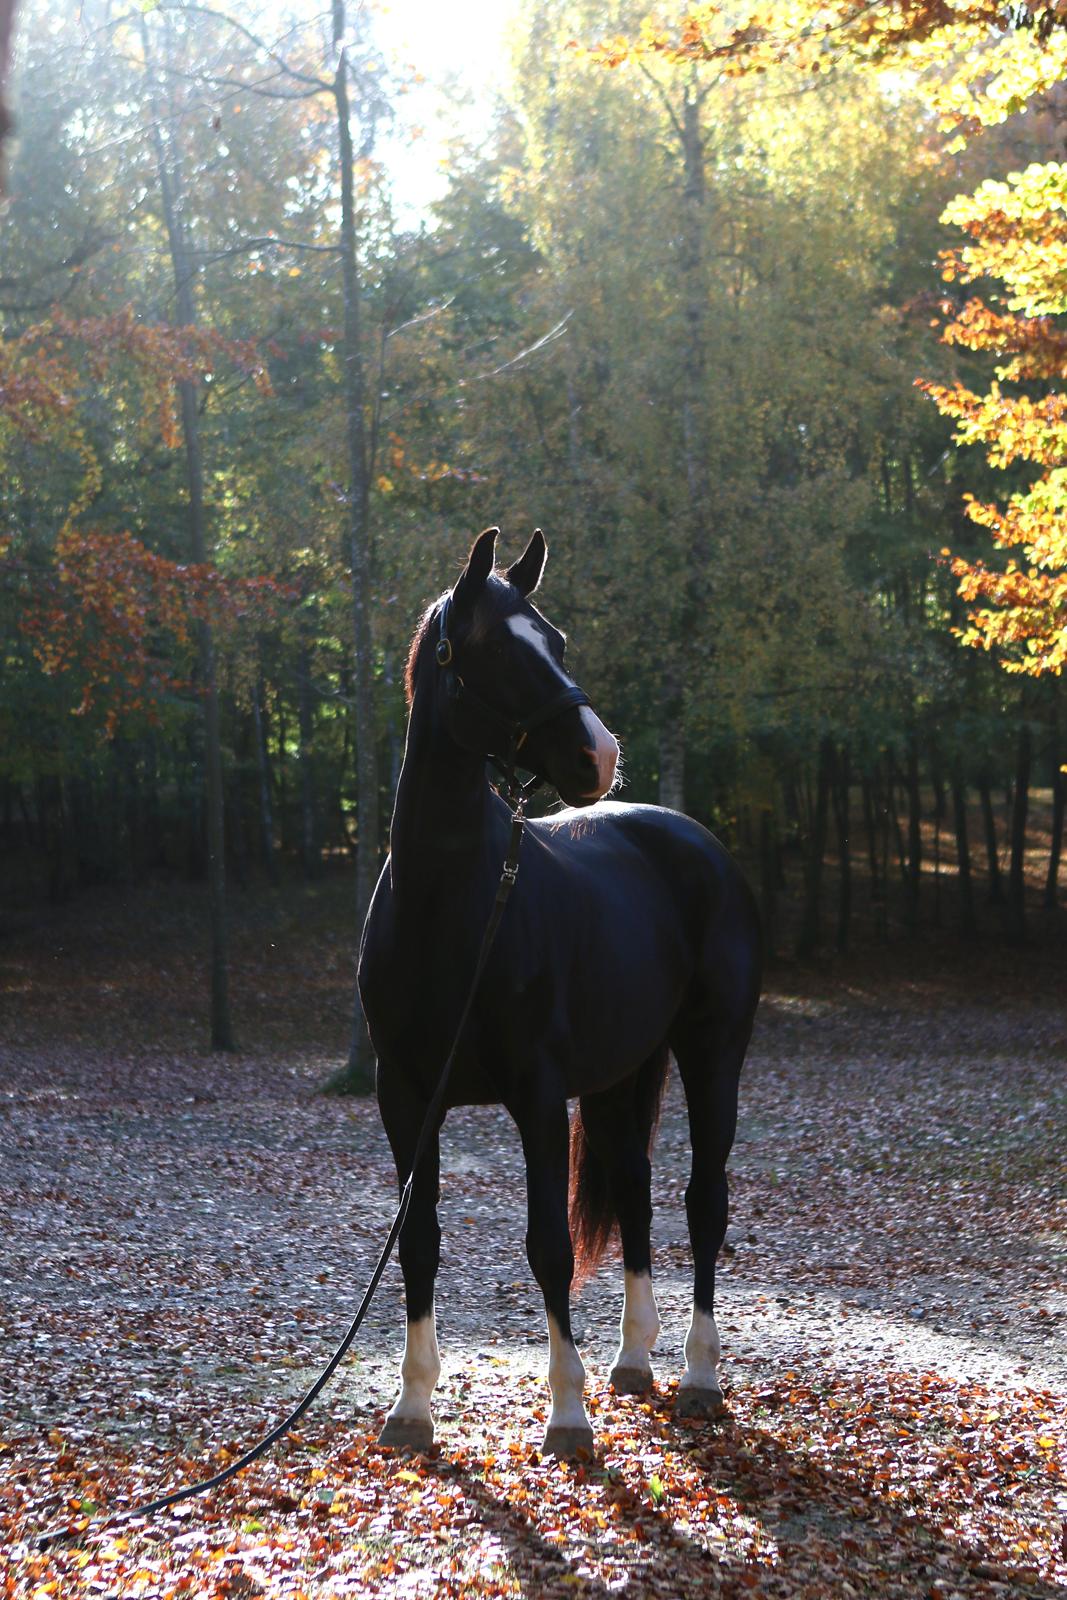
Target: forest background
[{"x": 670, "y": 303}]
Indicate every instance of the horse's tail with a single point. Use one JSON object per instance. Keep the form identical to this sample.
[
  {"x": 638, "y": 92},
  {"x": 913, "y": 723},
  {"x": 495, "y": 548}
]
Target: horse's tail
[{"x": 592, "y": 1214}]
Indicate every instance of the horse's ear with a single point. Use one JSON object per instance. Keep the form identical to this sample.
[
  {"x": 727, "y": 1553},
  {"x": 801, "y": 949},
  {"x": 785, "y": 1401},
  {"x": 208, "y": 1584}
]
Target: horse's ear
[
  {"x": 525, "y": 574},
  {"x": 479, "y": 565}
]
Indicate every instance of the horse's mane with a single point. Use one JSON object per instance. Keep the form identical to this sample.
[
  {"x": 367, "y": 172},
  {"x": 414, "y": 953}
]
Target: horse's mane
[{"x": 418, "y": 639}]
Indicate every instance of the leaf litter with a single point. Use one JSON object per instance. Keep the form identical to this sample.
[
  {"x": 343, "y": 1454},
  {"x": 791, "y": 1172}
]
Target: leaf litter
[{"x": 185, "y": 1240}]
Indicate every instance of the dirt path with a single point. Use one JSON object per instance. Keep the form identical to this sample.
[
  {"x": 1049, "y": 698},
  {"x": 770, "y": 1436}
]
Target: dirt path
[{"x": 184, "y": 1241}]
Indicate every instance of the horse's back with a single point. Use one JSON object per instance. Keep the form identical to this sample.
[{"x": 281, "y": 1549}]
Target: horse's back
[
  {"x": 651, "y": 864},
  {"x": 618, "y": 838}
]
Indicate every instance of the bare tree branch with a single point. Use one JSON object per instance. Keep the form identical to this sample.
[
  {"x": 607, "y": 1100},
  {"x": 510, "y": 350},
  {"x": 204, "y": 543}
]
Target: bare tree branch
[
  {"x": 539, "y": 344},
  {"x": 209, "y": 257},
  {"x": 425, "y": 316},
  {"x": 319, "y": 84}
]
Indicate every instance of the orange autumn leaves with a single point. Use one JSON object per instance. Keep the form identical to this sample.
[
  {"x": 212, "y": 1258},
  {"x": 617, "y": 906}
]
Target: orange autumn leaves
[
  {"x": 120, "y": 618},
  {"x": 1017, "y": 236},
  {"x": 102, "y": 607},
  {"x": 813, "y": 35},
  {"x": 818, "y": 1483},
  {"x": 44, "y": 371}
]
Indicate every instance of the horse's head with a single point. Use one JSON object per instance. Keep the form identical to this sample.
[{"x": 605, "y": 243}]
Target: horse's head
[{"x": 501, "y": 664}]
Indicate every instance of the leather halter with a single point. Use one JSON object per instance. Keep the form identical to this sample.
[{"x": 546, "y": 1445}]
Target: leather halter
[{"x": 509, "y": 732}]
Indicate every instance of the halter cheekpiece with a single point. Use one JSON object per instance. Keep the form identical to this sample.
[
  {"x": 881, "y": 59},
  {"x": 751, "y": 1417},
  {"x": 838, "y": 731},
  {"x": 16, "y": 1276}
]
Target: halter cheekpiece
[{"x": 514, "y": 730}]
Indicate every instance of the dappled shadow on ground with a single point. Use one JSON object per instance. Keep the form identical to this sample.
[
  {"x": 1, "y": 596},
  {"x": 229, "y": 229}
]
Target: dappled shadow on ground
[
  {"x": 734, "y": 1508},
  {"x": 746, "y": 1515}
]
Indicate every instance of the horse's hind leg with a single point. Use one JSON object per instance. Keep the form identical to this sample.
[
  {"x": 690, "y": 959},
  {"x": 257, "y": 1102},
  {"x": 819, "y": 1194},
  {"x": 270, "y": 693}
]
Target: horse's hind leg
[
  {"x": 617, "y": 1126},
  {"x": 410, "y": 1422},
  {"x": 710, "y": 1055}
]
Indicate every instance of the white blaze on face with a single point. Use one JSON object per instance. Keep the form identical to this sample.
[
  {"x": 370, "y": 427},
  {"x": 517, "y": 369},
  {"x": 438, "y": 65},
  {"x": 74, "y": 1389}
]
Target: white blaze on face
[
  {"x": 526, "y": 629},
  {"x": 601, "y": 745}
]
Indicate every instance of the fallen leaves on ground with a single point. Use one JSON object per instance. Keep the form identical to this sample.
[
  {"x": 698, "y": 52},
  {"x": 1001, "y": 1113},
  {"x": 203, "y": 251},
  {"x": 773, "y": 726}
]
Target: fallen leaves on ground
[
  {"x": 904, "y": 1484},
  {"x": 186, "y": 1237}
]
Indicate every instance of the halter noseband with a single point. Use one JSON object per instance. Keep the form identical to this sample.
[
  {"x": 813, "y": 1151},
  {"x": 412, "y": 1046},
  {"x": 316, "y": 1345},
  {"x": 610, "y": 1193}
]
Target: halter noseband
[{"x": 515, "y": 730}]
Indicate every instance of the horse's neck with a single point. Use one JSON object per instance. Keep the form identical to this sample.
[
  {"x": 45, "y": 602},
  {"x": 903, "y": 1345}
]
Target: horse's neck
[{"x": 442, "y": 810}]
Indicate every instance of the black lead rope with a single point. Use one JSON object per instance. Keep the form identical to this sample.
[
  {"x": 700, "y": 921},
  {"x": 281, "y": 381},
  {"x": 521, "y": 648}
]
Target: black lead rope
[{"x": 517, "y": 796}]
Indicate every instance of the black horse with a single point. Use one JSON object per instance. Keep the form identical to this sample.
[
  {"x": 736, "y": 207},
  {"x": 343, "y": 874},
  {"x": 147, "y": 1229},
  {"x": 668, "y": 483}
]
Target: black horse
[{"x": 631, "y": 933}]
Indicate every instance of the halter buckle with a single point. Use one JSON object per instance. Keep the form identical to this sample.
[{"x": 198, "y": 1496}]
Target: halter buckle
[{"x": 443, "y": 652}]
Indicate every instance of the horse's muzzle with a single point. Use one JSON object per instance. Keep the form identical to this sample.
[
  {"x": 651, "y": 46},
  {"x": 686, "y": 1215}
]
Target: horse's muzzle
[{"x": 603, "y": 750}]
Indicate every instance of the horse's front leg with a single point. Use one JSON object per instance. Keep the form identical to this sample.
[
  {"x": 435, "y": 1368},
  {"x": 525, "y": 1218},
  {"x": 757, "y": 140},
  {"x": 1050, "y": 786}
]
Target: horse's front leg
[
  {"x": 543, "y": 1124},
  {"x": 410, "y": 1422}
]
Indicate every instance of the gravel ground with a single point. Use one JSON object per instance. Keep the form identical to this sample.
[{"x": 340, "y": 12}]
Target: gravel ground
[
  {"x": 897, "y": 1198},
  {"x": 186, "y": 1236}
]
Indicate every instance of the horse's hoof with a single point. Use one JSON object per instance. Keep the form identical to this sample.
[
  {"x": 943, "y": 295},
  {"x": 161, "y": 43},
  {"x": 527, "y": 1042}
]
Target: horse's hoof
[
  {"x": 407, "y": 1433},
  {"x": 631, "y": 1380},
  {"x": 560, "y": 1441},
  {"x": 699, "y": 1403}
]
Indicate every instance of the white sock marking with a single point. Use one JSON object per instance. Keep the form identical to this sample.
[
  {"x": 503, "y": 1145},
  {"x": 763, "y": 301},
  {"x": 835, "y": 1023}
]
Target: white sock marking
[
  {"x": 419, "y": 1371},
  {"x": 702, "y": 1352},
  {"x": 640, "y": 1323},
  {"x": 566, "y": 1379}
]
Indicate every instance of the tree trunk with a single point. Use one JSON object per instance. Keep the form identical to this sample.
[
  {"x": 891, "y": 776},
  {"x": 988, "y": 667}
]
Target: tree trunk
[
  {"x": 357, "y": 1076},
  {"x": 939, "y": 819},
  {"x": 309, "y": 851},
  {"x": 1059, "y": 799},
  {"x": 280, "y": 767},
  {"x": 963, "y": 855},
  {"x": 55, "y": 831},
  {"x": 873, "y": 813},
  {"x": 266, "y": 815},
  {"x": 841, "y": 814},
  {"x": 695, "y": 360},
  {"x": 995, "y": 892},
  {"x": 671, "y": 742},
  {"x": 33, "y": 839},
  {"x": 914, "y": 875},
  {"x": 153, "y": 819},
  {"x": 894, "y": 820},
  {"x": 811, "y": 917},
  {"x": 168, "y": 167},
  {"x": 191, "y": 803},
  {"x": 768, "y": 881},
  {"x": 1017, "y": 871},
  {"x": 134, "y": 843},
  {"x": 695, "y": 445},
  {"x": 1050, "y": 898},
  {"x": 79, "y": 800},
  {"x": 396, "y": 728},
  {"x": 114, "y": 821},
  {"x": 236, "y": 830}
]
